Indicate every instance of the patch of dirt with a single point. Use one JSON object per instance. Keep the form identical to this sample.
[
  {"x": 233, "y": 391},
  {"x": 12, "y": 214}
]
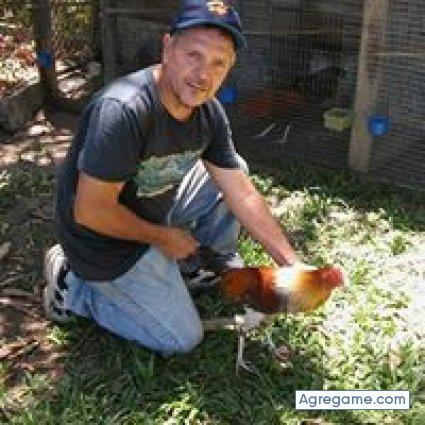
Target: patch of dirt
[
  {"x": 43, "y": 142},
  {"x": 29, "y": 161},
  {"x": 26, "y": 348}
]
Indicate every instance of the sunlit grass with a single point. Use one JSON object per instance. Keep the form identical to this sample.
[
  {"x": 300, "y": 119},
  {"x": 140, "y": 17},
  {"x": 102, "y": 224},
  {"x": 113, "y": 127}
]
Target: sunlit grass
[{"x": 365, "y": 337}]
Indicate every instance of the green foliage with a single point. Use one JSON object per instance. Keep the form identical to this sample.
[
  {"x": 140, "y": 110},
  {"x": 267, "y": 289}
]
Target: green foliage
[
  {"x": 264, "y": 185},
  {"x": 252, "y": 252},
  {"x": 26, "y": 182},
  {"x": 399, "y": 244},
  {"x": 17, "y": 12}
]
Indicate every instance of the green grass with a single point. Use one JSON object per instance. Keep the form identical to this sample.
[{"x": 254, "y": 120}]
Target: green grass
[{"x": 363, "y": 338}]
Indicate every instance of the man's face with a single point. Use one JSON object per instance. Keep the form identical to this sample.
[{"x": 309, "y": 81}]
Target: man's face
[{"x": 196, "y": 62}]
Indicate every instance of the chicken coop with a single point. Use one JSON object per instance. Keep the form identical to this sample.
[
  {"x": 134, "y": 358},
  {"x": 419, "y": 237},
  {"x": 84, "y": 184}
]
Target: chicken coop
[{"x": 338, "y": 83}]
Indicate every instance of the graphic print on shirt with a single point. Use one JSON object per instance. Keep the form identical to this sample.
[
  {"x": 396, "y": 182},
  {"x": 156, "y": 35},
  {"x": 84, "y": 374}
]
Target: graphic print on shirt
[{"x": 158, "y": 174}]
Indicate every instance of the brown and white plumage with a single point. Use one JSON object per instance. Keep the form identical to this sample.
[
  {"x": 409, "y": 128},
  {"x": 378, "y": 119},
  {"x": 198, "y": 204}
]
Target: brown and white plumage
[{"x": 284, "y": 289}]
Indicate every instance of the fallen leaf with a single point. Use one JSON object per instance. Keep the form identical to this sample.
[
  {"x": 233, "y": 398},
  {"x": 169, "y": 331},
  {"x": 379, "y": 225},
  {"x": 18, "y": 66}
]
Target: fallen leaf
[
  {"x": 4, "y": 249},
  {"x": 18, "y": 348},
  {"x": 283, "y": 353}
]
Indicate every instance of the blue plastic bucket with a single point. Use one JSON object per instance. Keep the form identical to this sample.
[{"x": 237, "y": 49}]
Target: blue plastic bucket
[
  {"x": 45, "y": 59},
  {"x": 227, "y": 94},
  {"x": 379, "y": 125}
]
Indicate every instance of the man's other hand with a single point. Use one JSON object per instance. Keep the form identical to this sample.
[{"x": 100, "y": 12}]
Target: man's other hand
[{"x": 177, "y": 243}]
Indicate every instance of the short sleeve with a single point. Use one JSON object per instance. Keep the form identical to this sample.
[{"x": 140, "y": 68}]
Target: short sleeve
[
  {"x": 221, "y": 150},
  {"x": 112, "y": 144}
]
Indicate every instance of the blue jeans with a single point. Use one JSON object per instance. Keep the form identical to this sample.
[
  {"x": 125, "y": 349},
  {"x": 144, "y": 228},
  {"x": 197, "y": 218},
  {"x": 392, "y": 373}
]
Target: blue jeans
[{"x": 150, "y": 303}]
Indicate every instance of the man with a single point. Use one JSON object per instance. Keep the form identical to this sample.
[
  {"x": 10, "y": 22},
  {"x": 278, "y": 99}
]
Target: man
[{"x": 151, "y": 177}]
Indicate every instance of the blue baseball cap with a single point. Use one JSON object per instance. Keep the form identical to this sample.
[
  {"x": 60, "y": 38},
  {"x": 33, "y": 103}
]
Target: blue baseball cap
[{"x": 217, "y": 13}]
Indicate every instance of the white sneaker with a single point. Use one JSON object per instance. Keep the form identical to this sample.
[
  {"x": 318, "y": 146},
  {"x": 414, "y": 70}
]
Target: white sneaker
[
  {"x": 201, "y": 279},
  {"x": 208, "y": 268},
  {"x": 218, "y": 262},
  {"x": 56, "y": 290}
]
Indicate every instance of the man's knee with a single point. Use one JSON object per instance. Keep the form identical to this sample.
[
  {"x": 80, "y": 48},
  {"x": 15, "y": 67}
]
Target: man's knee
[
  {"x": 166, "y": 341},
  {"x": 181, "y": 344},
  {"x": 187, "y": 341}
]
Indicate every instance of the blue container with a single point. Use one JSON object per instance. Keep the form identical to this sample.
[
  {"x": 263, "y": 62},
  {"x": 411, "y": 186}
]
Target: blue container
[
  {"x": 379, "y": 125},
  {"x": 227, "y": 94},
  {"x": 45, "y": 59}
]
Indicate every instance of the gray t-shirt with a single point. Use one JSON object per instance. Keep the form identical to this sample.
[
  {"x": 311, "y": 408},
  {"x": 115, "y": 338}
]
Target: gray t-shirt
[{"x": 126, "y": 135}]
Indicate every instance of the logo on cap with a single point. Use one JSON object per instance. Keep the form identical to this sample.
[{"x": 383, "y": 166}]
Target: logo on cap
[{"x": 217, "y": 7}]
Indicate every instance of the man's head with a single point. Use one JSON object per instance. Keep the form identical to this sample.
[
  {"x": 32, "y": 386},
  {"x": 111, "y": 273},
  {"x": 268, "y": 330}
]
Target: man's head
[
  {"x": 200, "y": 51},
  {"x": 217, "y": 13}
]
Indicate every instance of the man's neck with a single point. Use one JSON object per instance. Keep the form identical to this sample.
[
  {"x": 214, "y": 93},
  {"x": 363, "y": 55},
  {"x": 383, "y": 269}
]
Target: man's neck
[{"x": 177, "y": 110}]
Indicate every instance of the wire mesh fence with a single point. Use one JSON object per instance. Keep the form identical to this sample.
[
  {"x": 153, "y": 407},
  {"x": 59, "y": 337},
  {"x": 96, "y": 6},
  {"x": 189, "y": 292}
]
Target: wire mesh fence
[
  {"x": 74, "y": 30},
  {"x": 301, "y": 64},
  {"x": 17, "y": 49},
  {"x": 75, "y": 33},
  {"x": 399, "y": 155},
  {"x": 298, "y": 85},
  {"x": 76, "y": 41}
]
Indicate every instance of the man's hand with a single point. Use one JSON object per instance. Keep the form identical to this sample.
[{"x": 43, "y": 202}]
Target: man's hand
[{"x": 177, "y": 244}]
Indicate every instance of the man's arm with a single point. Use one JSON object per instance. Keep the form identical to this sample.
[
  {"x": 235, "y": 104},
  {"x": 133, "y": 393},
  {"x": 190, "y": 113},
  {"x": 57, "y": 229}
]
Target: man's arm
[
  {"x": 96, "y": 207},
  {"x": 252, "y": 211}
]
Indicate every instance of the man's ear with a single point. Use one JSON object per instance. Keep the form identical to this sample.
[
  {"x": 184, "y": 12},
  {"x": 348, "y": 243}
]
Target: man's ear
[
  {"x": 233, "y": 62},
  {"x": 166, "y": 44}
]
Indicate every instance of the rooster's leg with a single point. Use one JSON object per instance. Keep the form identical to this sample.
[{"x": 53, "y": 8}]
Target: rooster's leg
[
  {"x": 241, "y": 324},
  {"x": 240, "y": 361}
]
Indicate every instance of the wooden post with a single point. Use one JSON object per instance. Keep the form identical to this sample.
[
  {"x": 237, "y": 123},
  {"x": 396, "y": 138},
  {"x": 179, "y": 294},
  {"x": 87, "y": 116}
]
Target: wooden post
[
  {"x": 42, "y": 19},
  {"x": 96, "y": 30},
  {"x": 368, "y": 81},
  {"x": 109, "y": 54}
]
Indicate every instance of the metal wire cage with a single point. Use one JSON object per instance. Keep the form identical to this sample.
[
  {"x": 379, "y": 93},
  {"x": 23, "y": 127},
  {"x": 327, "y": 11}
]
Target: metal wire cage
[
  {"x": 337, "y": 83},
  {"x": 301, "y": 66},
  {"x": 74, "y": 30}
]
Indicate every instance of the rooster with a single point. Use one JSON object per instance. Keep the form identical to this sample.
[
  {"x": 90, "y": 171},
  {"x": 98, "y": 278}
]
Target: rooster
[
  {"x": 286, "y": 289},
  {"x": 271, "y": 290}
]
